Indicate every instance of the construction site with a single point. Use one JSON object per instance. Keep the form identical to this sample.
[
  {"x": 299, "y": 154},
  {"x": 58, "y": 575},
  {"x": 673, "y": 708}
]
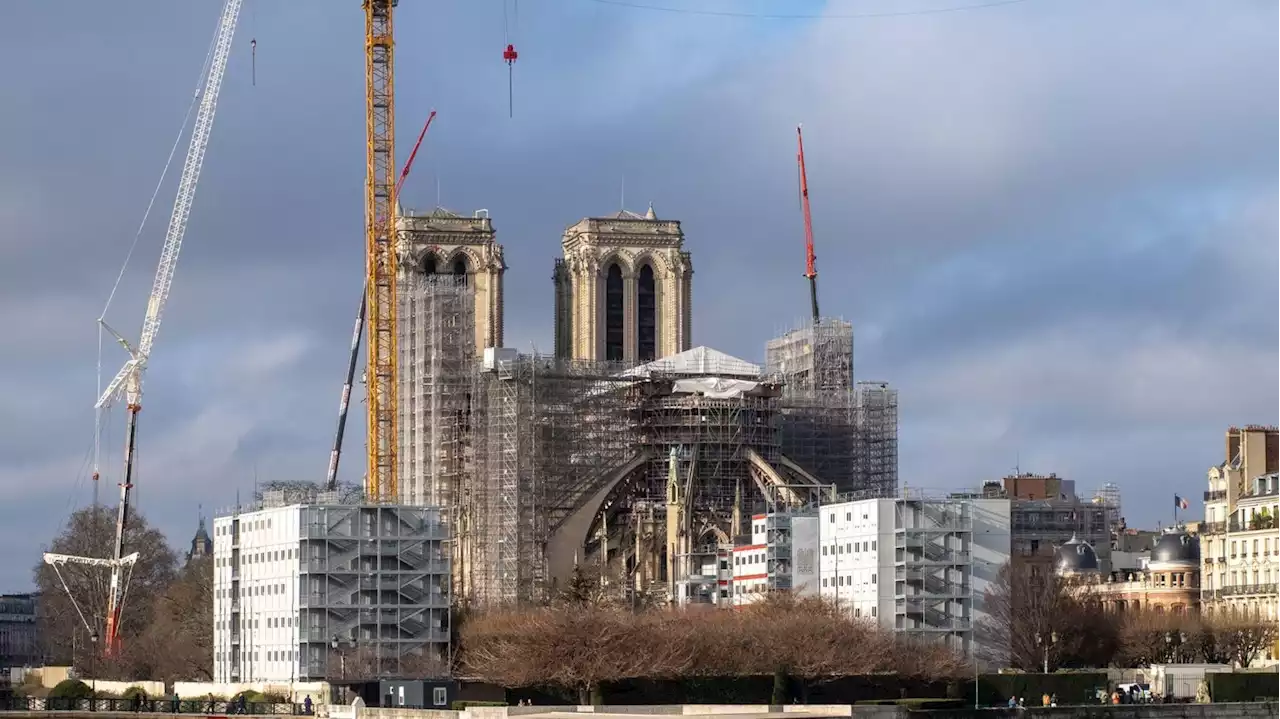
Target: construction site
[
  {"x": 544, "y": 462},
  {"x": 493, "y": 477}
]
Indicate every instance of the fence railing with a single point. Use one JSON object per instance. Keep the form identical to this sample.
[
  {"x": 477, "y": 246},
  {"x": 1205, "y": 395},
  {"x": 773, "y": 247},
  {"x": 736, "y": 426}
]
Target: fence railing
[{"x": 203, "y": 707}]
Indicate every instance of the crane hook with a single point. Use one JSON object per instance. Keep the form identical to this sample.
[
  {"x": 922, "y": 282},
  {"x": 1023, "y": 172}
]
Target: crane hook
[
  {"x": 253, "y": 54},
  {"x": 510, "y": 56}
]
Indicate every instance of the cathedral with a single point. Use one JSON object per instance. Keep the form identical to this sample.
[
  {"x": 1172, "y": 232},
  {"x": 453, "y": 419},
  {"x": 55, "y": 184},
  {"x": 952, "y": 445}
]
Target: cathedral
[{"x": 628, "y": 446}]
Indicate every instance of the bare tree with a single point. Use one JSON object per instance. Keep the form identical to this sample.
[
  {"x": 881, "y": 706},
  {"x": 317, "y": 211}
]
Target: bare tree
[
  {"x": 1144, "y": 638},
  {"x": 1243, "y": 639},
  {"x": 90, "y": 532},
  {"x": 180, "y": 637},
  {"x": 583, "y": 648},
  {"x": 1039, "y": 617}
]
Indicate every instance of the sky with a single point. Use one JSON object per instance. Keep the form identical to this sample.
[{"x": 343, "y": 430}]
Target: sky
[{"x": 1053, "y": 223}]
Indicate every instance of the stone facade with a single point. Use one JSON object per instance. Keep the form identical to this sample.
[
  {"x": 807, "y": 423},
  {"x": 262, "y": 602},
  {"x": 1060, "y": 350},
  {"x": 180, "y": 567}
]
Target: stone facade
[
  {"x": 442, "y": 242},
  {"x": 1167, "y": 582},
  {"x": 623, "y": 289}
]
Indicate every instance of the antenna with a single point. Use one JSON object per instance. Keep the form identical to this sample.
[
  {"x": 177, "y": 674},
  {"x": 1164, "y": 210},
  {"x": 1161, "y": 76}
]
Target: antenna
[{"x": 810, "y": 270}]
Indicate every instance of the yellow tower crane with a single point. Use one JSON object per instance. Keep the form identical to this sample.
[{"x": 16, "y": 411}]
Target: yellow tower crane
[{"x": 380, "y": 257}]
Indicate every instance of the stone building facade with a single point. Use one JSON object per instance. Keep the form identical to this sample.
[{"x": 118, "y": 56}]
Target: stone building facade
[
  {"x": 1167, "y": 582},
  {"x": 623, "y": 290},
  {"x": 444, "y": 243}
]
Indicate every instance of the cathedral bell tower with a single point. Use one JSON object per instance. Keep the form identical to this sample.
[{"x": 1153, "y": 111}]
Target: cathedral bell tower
[{"x": 623, "y": 289}]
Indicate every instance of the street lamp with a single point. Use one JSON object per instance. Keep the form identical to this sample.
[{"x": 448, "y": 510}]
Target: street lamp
[
  {"x": 342, "y": 657},
  {"x": 93, "y": 671},
  {"x": 1040, "y": 640},
  {"x": 1175, "y": 640}
]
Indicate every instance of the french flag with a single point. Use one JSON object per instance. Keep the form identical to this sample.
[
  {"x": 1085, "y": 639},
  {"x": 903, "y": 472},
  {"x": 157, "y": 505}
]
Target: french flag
[{"x": 1180, "y": 503}]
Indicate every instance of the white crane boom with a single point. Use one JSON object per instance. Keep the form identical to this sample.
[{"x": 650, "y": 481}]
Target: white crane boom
[{"x": 129, "y": 378}]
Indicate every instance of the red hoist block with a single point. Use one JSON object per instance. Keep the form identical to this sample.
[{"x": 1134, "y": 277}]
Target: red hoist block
[{"x": 510, "y": 54}]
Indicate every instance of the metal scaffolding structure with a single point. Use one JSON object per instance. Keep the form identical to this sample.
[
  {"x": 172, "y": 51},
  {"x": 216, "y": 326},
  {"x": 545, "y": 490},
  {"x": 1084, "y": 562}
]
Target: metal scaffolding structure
[
  {"x": 546, "y": 431},
  {"x": 371, "y": 585},
  {"x": 816, "y": 357},
  {"x": 712, "y": 436},
  {"x": 933, "y": 567},
  {"x": 514, "y": 446},
  {"x": 876, "y": 427},
  {"x": 437, "y": 353},
  {"x": 374, "y": 589}
]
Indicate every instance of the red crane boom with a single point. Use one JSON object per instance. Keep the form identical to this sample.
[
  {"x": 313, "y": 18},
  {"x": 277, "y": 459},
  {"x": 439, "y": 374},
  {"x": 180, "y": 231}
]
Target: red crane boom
[{"x": 810, "y": 270}]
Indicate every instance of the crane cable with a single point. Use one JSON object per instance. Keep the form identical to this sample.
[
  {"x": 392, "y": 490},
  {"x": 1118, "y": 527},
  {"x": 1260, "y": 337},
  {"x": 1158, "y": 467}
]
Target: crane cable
[
  {"x": 509, "y": 54},
  {"x": 182, "y": 131}
]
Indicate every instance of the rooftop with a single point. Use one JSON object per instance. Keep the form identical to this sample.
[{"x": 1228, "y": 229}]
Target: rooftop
[{"x": 699, "y": 362}]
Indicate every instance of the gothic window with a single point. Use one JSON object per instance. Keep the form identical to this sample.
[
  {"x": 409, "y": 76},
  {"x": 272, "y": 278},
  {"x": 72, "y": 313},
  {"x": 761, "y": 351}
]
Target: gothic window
[
  {"x": 460, "y": 270},
  {"x": 429, "y": 266},
  {"x": 646, "y": 316},
  {"x": 613, "y": 314}
]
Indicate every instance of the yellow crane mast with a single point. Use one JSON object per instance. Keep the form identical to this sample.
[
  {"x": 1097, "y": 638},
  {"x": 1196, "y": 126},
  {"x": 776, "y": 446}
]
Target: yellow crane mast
[{"x": 380, "y": 259}]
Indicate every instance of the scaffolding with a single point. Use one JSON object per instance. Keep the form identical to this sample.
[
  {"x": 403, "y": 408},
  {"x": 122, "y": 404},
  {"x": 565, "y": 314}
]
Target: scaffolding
[
  {"x": 548, "y": 434},
  {"x": 843, "y": 433},
  {"x": 437, "y": 353},
  {"x": 712, "y": 436},
  {"x": 371, "y": 584},
  {"x": 876, "y": 425},
  {"x": 933, "y": 560},
  {"x": 374, "y": 591},
  {"x": 548, "y": 431},
  {"x": 816, "y": 357}
]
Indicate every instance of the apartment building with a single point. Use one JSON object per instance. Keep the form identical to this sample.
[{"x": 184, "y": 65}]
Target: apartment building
[{"x": 1239, "y": 541}]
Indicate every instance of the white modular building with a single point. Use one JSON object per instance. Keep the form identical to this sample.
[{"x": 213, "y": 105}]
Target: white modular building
[
  {"x": 916, "y": 565},
  {"x": 329, "y": 590},
  {"x": 780, "y": 554}
]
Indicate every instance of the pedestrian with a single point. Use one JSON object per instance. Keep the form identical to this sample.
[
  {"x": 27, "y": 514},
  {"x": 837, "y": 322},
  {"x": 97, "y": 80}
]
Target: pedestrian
[
  {"x": 1053, "y": 699},
  {"x": 1044, "y": 699},
  {"x": 306, "y": 705},
  {"x": 1013, "y": 702}
]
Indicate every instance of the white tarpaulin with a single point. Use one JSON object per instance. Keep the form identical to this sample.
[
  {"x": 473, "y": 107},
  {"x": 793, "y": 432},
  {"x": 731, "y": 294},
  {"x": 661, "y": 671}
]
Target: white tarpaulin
[{"x": 714, "y": 387}]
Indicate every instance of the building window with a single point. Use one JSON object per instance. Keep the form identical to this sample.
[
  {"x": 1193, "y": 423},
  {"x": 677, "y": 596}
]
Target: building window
[
  {"x": 646, "y": 316},
  {"x": 613, "y": 313}
]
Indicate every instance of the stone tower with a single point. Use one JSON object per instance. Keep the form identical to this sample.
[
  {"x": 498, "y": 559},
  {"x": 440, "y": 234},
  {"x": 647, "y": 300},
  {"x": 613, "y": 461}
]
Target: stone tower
[
  {"x": 450, "y": 310},
  {"x": 443, "y": 243},
  {"x": 623, "y": 289}
]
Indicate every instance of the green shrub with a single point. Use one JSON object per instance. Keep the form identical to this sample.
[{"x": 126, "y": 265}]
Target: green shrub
[
  {"x": 1243, "y": 686},
  {"x": 71, "y": 689},
  {"x": 1070, "y": 687},
  {"x": 131, "y": 692}
]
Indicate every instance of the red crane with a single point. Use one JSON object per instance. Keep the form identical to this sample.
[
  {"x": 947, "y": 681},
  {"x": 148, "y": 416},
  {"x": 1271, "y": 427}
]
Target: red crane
[
  {"x": 331, "y": 477},
  {"x": 810, "y": 270}
]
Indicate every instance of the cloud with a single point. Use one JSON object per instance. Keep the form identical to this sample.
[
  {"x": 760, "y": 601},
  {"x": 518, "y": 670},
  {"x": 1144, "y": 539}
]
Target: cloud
[{"x": 1062, "y": 258}]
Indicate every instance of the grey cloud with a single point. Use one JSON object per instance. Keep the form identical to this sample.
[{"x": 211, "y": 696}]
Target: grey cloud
[{"x": 1109, "y": 167}]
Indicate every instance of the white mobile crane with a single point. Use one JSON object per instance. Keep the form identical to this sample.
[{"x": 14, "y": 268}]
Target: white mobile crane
[{"x": 128, "y": 381}]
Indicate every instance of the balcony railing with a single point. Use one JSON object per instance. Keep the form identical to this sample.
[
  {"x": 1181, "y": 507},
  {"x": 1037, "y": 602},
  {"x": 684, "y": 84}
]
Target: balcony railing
[
  {"x": 1215, "y": 495},
  {"x": 1237, "y": 590}
]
